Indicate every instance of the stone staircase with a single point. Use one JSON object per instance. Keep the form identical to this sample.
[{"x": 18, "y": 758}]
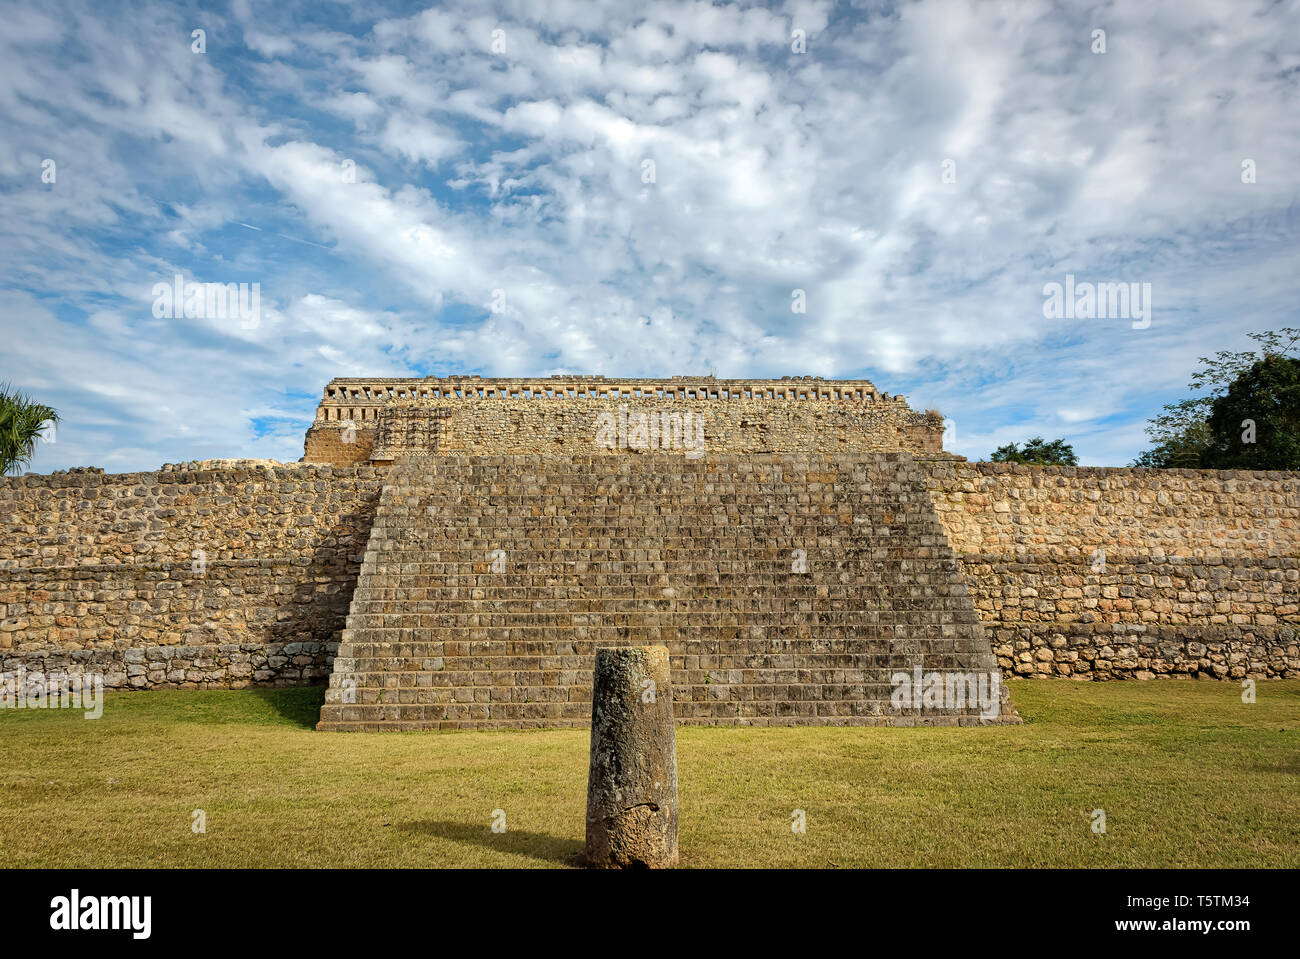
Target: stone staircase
[{"x": 788, "y": 590}]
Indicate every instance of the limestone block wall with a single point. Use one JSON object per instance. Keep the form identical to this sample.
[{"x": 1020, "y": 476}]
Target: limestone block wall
[
  {"x": 1200, "y": 571},
  {"x": 787, "y": 589},
  {"x": 1000, "y": 507},
  {"x": 181, "y": 577},
  {"x": 358, "y": 419},
  {"x": 506, "y": 427},
  {"x": 1115, "y": 573},
  {"x": 336, "y": 445}
]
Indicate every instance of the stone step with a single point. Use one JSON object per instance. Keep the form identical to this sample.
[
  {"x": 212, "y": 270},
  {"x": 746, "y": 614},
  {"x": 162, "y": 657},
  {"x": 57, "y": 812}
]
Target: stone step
[
  {"x": 558, "y": 625},
  {"x": 878, "y": 653},
  {"x": 678, "y": 531},
  {"x": 845, "y": 711},
  {"x": 590, "y": 547},
  {"x": 515, "y": 685}
]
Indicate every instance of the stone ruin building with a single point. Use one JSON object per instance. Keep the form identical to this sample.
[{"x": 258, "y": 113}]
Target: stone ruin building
[
  {"x": 450, "y": 552},
  {"x": 383, "y": 420}
]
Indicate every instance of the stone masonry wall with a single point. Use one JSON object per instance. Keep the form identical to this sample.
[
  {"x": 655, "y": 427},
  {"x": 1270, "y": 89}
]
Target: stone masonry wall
[
  {"x": 334, "y": 445},
  {"x": 360, "y": 418},
  {"x": 787, "y": 589},
  {"x": 181, "y": 577},
  {"x": 1114, "y": 573},
  {"x": 1201, "y": 569},
  {"x": 568, "y": 428}
]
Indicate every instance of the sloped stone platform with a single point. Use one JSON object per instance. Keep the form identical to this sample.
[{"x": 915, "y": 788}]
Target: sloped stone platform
[{"x": 788, "y": 589}]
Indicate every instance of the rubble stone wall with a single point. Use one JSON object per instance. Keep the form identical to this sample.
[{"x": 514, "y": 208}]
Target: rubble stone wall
[
  {"x": 1116, "y": 573},
  {"x": 181, "y": 577},
  {"x": 241, "y": 575}
]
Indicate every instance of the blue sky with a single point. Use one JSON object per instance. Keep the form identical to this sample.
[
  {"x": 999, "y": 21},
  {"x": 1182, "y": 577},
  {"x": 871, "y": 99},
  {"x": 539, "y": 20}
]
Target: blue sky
[{"x": 504, "y": 147}]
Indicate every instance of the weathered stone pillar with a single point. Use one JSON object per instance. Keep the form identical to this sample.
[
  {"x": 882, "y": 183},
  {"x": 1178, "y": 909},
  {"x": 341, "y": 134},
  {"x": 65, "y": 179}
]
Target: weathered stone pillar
[{"x": 632, "y": 786}]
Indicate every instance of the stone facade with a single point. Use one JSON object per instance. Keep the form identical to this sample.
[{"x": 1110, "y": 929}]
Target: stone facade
[{"x": 381, "y": 420}]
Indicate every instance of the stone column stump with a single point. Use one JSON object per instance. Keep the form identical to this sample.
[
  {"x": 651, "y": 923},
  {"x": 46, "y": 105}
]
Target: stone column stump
[{"x": 632, "y": 785}]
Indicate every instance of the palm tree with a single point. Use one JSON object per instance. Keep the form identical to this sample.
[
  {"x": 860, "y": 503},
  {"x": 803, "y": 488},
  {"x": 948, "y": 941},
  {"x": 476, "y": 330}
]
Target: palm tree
[{"x": 22, "y": 423}]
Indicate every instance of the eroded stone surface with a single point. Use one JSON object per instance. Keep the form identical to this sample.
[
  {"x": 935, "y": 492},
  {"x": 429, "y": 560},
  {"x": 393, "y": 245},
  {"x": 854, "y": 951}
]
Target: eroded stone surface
[
  {"x": 361, "y": 419},
  {"x": 1116, "y": 573},
  {"x": 632, "y": 784},
  {"x": 788, "y": 590}
]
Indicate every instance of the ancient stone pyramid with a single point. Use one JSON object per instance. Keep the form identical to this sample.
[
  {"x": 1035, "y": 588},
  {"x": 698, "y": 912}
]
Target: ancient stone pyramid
[{"x": 789, "y": 590}]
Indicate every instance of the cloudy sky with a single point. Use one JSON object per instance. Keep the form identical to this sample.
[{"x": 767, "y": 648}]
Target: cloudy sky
[{"x": 636, "y": 188}]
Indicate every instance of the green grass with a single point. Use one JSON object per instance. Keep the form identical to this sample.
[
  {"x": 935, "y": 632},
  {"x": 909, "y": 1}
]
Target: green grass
[{"x": 1187, "y": 774}]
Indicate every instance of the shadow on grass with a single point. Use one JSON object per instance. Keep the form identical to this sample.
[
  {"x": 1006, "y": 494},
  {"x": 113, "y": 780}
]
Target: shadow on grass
[
  {"x": 298, "y": 704},
  {"x": 521, "y": 842}
]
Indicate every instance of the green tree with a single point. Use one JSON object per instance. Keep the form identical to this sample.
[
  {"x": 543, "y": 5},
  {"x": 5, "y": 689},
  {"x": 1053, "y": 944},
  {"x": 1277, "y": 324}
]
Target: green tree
[
  {"x": 1256, "y": 424},
  {"x": 1181, "y": 431},
  {"x": 1037, "y": 452},
  {"x": 22, "y": 423}
]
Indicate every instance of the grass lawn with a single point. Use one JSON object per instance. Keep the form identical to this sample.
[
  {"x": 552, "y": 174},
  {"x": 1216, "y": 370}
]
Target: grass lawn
[{"x": 1187, "y": 774}]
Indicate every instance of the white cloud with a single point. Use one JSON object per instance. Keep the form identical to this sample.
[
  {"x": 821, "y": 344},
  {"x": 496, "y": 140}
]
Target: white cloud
[{"x": 523, "y": 171}]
